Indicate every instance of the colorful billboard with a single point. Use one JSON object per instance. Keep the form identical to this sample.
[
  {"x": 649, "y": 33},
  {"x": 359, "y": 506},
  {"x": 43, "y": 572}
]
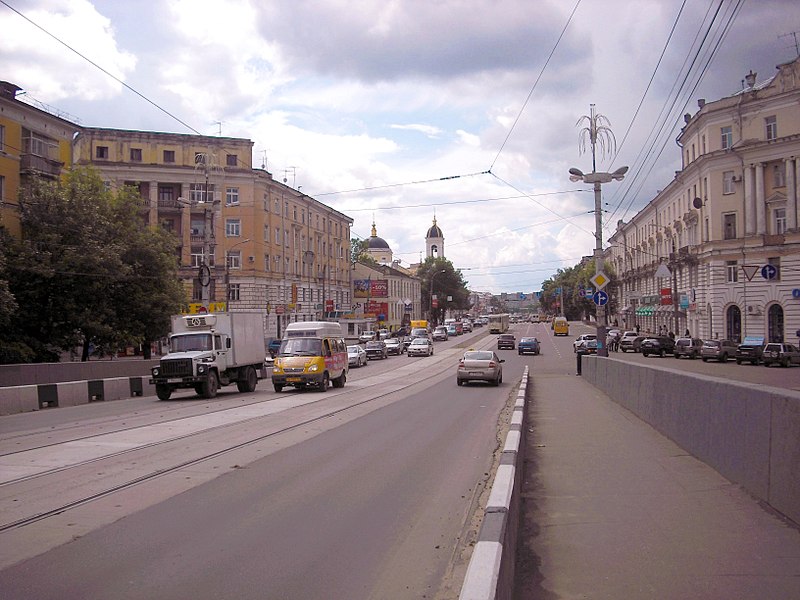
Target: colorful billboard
[{"x": 370, "y": 288}]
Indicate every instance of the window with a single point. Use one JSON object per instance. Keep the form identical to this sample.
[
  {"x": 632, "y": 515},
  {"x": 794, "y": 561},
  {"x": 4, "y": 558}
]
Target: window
[
  {"x": 266, "y": 262},
  {"x": 775, "y": 262},
  {"x": 2, "y": 138},
  {"x": 732, "y": 271},
  {"x": 727, "y": 137},
  {"x": 230, "y": 160},
  {"x": 233, "y": 227},
  {"x": 199, "y": 158},
  {"x": 166, "y": 193},
  {"x": 234, "y": 259},
  {"x": 234, "y": 291},
  {"x": 136, "y": 155},
  {"x": 771, "y": 124},
  {"x": 729, "y": 226},
  {"x": 727, "y": 182},
  {"x": 231, "y": 196},
  {"x": 197, "y": 192},
  {"x": 2, "y": 189},
  {"x": 277, "y": 235},
  {"x": 101, "y": 152},
  {"x": 168, "y": 225},
  {"x": 779, "y": 220},
  {"x": 779, "y": 175},
  {"x": 197, "y": 257},
  {"x": 169, "y": 156}
]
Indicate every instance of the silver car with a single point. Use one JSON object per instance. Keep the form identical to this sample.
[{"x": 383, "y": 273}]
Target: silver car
[
  {"x": 420, "y": 346},
  {"x": 480, "y": 365},
  {"x": 356, "y": 356}
]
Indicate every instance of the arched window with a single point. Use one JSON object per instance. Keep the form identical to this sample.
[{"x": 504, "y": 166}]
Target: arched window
[
  {"x": 775, "y": 323},
  {"x": 733, "y": 324}
]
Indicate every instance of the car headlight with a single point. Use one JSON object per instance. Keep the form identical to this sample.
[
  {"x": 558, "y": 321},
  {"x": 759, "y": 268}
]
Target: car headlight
[
  {"x": 201, "y": 369},
  {"x": 155, "y": 371},
  {"x": 313, "y": 368}
]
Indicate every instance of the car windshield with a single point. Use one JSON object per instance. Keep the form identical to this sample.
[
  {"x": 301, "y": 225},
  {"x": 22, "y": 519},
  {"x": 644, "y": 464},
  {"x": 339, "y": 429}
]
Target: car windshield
[
  {"x": 302, "y": 347},
  {"x": 419, "y": 342},
  {"x": 711, "y": 344},
  {"x": 352, "y": 349},
  {"x": 190, "y": 343}
]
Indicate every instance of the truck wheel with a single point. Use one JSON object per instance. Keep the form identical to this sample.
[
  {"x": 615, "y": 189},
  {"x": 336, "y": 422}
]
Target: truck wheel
[
  {"x": 340, "y": 381},
  {"x": 210, "y": 386},
  {"x": 163, "y": 392},
  {"x": 278, "y": 387},
  {"x": 249, "y": 381}
]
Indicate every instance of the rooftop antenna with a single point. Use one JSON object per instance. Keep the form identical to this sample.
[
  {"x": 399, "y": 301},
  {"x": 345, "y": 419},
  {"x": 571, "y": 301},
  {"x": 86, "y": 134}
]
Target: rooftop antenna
[
  {"x": 264, "y": 160},
  {"x": 792, "y": 34},
  {"x": 294, "y": 175},
  {"x": 219, "y": 127}
]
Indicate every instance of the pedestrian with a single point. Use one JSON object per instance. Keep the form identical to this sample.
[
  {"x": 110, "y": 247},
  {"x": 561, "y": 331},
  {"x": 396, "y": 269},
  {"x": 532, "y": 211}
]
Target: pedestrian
[
  {"x": 637, "y": 329},
  {"x": 687, "y": 333}
]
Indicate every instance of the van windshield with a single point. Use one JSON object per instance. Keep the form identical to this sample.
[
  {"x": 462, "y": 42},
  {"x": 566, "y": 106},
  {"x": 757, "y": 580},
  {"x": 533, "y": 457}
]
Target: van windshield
[
  {"x": 190, "y": 343},
  {"x": 301, "y": 347}
]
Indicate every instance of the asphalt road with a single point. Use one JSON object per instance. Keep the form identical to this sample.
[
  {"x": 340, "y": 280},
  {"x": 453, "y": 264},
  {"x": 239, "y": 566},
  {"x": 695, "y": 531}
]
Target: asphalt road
[{"x": 365, "y": 492}]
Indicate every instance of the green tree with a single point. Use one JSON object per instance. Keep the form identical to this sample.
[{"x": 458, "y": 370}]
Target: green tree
[
  {"x": 447, "y": 281},
  {"x": 88, "y": 271}
]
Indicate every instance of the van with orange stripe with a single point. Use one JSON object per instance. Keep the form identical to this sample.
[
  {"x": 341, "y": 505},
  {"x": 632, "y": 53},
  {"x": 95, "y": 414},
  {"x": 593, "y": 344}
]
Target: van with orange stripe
[{"x": 312, "y": 354}]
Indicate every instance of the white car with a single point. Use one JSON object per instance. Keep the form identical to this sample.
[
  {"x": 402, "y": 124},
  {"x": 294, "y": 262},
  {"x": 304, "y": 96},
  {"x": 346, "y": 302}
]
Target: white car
[
  {"x": 420, "y": 347},
  {"x": 356, "y": 356},
  {"x": 367, "y": 336},
  {"x": 581, "y": 340}
]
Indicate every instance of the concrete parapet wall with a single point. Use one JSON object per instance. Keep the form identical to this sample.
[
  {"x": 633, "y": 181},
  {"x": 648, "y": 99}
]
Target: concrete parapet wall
[
  {"x": 19, "y": 399},
  {"x": 749, "y": 433},
  {"x": 31, "y": 374}
]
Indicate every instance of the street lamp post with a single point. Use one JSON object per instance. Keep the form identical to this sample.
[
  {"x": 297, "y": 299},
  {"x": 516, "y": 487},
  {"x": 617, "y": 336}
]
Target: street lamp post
[
  {"x": 597, "y": 131},
  {"x": 433, "y": 276}
]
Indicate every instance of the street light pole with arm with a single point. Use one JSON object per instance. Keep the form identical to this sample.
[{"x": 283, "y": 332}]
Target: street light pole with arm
[{"x": 433, "y": 276}]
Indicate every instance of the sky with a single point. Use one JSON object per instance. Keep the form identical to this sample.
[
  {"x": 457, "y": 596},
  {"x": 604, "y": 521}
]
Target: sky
[{"x": 401, "y": 111}]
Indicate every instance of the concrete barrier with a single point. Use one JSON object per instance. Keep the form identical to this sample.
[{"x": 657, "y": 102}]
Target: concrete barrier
[
  {"x": 749, "y": 433},
  {"x": 38, "y": 373},
  {"x": 19, "y": 399},
  {"x": 490, "y": 573},
  {"x": 26, "y": 398}
]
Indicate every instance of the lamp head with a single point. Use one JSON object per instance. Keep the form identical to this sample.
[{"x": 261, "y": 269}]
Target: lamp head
[
  {"x": 576, "y": 173},
  {"x": 619, "y": 174}
]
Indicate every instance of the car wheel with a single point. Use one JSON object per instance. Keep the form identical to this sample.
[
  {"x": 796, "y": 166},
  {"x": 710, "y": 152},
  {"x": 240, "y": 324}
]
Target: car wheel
[
  {"x": 738, "y": 361},
  {"x": 705, "y": 359},
  {"x": 623, "y": 350},
  {"x": 677, "y": 355},
  {"x": 644, "y": 354},
  {"x": 459, "y": 381},
  {"x": 724, "y": 358}
]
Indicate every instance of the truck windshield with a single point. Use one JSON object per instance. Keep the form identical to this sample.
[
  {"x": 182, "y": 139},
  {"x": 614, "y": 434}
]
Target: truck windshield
[
  {"x": 301, "y": 347},
  {"x": 190, "y": 343}
]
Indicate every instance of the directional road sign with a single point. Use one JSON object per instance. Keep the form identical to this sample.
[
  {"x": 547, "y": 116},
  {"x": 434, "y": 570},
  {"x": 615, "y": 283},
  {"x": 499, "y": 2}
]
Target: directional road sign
[
  {"x": 769, "y": 271},
  {"x": 600, "y": 298}
]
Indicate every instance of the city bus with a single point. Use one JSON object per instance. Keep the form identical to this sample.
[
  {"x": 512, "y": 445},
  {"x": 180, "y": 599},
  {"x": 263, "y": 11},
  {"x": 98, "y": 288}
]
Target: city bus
[{"x": 498, "y": 323}]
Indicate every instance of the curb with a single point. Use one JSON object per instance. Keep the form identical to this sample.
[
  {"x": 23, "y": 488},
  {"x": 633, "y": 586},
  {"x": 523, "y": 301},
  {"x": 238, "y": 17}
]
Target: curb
[{"x": 490, "y": 573}]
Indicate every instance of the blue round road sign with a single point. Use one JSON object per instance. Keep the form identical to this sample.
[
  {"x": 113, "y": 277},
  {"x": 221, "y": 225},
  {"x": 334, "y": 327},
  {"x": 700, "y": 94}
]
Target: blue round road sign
[
  {"x": 600, "y": 298},
  {"x": 769, "y": 271}
]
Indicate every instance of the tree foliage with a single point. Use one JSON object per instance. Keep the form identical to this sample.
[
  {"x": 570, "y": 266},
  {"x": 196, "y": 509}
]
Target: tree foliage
[
  {"x": 87, "y": 271},
  {"x": 561, "y": 294},
  {"x": 447, "y": 282}
]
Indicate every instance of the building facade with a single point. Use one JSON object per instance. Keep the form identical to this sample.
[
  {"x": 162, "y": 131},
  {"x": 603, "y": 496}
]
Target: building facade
[
  {"x": 33, "y": 143},
  {"x": 717, "y": 252},
  {"x": 386, "y": 296},
  {"x": 243, "y": 240}
]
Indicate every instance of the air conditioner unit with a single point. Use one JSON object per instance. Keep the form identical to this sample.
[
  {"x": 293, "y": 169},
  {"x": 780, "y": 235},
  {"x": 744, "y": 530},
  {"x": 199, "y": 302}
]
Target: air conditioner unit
[{"x": 736, "y": 178}]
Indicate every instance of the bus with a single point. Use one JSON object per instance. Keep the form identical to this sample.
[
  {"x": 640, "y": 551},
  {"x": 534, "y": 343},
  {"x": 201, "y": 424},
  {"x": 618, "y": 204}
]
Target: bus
[{"x": 498, "y": 323}]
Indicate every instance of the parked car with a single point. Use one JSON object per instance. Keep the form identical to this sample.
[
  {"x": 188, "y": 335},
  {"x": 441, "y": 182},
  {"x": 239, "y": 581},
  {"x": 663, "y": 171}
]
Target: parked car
[
  {"x": 420, "y": 346},
  {"x": 720, "y": 350},
  {"x": 632, "y": 341},
  {"x": 356, "y": 356},
  {"x": 467, "y": 325},
  {"x": 480, "y": 365},
  {"x": 376, "y": 349},
  {"x": 440, "y": 334},
  {"x": 506, "y": 340},
  {"x": 383, "y": 334},
  {"x": 688, "y": 347},
  {"x": 528, "y": 345},
  {"x": 660, "y": 345},
  {"x": 589, "y": 347},
  {"x": 579, "y": 341},
  {"x": 781, "y": 354},
  {"x": 750, "y": 350},
  {"x": 394, "y": 346},
  {"x": 367, "y": 336}
]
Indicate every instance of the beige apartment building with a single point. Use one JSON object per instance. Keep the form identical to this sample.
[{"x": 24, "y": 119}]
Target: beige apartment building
[
  {"x": 717, "y": 251},
  {"x": 243, "y": 240}
]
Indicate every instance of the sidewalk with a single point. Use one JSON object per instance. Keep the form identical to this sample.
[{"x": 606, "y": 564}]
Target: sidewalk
[{"x": 613, "y": 510}]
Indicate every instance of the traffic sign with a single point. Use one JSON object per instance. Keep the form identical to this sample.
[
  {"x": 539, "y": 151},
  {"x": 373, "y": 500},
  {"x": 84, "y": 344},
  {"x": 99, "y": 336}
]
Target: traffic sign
[
  {"x": 749, "y": 271},
  {"x": 600, "y": 298},
  {"x": 600, "y": 280},
  {"x": 769, "y": 272}
]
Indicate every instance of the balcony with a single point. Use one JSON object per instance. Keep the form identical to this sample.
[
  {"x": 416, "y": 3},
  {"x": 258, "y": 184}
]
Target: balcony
[{"x": 40, "y": 165}]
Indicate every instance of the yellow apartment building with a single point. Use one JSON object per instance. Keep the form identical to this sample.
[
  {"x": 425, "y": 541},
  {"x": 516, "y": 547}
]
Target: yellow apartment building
[{"x": 33, "y": 143}]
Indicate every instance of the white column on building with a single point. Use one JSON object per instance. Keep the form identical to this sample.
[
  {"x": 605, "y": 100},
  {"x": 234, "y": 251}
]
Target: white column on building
[
  {"x": 749, "y": 201},
  {"x": 761, "y": 205},
  {"x": 792, "y": 181}
]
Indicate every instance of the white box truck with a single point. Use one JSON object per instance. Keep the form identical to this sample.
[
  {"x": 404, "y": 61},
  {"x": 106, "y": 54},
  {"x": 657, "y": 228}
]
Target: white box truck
[{"x": 207, "y": 351}]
